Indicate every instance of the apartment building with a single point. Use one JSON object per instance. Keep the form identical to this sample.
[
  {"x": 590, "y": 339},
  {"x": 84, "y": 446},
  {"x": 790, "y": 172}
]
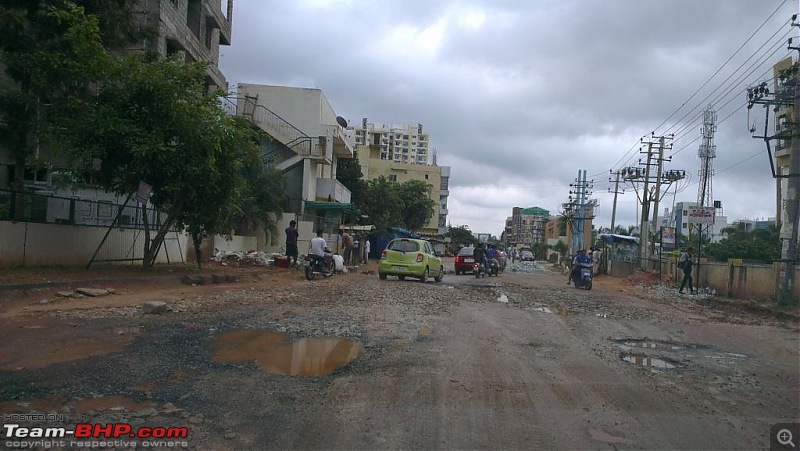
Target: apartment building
[
  {"x": 192, "y": 30},
  {"x": 526, "y": 226},
  {"x": 379, "y": 158},
  {"x": 399, "y": 143}
]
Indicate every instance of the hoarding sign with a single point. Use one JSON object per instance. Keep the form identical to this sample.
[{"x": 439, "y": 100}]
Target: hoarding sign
[
  {"x": 668, "y": 238},
  {"x": 700, "y": 215}
]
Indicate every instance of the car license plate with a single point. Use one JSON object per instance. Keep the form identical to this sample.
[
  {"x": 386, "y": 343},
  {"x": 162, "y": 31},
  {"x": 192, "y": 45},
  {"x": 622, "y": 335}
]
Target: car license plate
[
  {"x": 399, "y": 268},
  {"x": 469, "y": 260}
]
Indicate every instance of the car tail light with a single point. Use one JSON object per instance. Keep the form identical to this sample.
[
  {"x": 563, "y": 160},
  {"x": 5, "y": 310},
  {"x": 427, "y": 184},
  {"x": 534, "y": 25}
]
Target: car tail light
[
  {"x": 383, "y": 254},
  {"x": 458, "y": 259},
  {"x": 420, "y": 257}
]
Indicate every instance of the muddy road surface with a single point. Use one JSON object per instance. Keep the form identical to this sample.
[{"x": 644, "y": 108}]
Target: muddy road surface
[{"x": 273, "y": 361}]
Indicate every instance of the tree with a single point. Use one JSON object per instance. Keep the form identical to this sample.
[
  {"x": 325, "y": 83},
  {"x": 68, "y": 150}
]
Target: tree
[
  {"x": 52, "y": 52},
  {"x": 540, "y": 250},
  {"x": 416, "y": 206},
  {"x": 560, "y": 247},
  {"x": 759, "y": 244},
  {"x": 461, "y": 235},
  {"x": 562, "y": 226},
  {"x": 382, "y": 203},
  {"x": 348, "y": 172},
  {"x": 153, "y": 121}
]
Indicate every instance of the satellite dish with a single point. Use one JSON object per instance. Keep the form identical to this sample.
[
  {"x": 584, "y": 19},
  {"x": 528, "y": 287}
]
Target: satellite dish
[{"x": 341, "y": 121}]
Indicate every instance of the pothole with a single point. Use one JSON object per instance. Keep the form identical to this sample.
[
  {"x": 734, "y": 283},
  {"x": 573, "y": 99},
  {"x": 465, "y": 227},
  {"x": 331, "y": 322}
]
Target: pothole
[{"x": 275, "y": 353}]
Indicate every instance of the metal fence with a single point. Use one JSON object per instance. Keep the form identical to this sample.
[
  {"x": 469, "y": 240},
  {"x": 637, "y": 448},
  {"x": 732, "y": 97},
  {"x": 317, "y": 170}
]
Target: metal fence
[{"x": 23, "y": 206}]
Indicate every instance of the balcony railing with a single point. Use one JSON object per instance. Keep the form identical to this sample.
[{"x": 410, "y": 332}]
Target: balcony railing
[
  {"x": 332, "y": 190},
  {"x": 284, "y": 132}
]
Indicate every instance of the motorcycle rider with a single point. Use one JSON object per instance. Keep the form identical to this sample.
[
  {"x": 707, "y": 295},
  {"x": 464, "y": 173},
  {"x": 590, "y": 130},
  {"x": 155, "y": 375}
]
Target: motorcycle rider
[
  {"x": 479, "y": 254},
  {"x": 580, "y": 260},
  {"x": 490, "y": 255},
  {"x": 318, "y": 247}
]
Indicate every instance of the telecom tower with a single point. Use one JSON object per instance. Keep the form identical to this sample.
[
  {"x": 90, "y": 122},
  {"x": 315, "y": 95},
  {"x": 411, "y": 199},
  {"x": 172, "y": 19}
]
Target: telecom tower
[{"x": 707, "y": 152}]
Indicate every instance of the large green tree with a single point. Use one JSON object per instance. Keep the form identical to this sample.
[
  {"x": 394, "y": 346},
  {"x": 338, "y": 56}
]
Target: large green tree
[
  {"x": 153, "y": 121},
  {"x": 416, "y": 206},
  {"x": 382, "y": 203}
]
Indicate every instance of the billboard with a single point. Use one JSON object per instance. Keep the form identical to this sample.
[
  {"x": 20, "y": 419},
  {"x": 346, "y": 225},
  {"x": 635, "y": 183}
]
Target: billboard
[
  {"x": 700, "y": 215},
  {"x": 668, "y": 237}
]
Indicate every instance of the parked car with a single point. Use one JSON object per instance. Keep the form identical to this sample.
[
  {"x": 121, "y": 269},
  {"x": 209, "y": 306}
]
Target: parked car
[
  {"x": 464, "y": 260},
  {"x": 526, "y": 256},
  {"x": 407, "y": 257}
]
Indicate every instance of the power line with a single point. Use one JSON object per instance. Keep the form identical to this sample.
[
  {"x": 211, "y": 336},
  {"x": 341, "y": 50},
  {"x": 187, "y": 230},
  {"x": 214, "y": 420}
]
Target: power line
[
  {"x": 759, "y": 61},
  {"x": 723, "y": 64}
]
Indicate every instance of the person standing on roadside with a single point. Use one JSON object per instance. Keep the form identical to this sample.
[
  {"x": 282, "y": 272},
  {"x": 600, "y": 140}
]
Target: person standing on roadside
[
  {"x": 347, "y": 243},
  {"x": 366, "y": 250},
  {"x": 291, "y": 243},
  {"x": 685, "y": 263}
]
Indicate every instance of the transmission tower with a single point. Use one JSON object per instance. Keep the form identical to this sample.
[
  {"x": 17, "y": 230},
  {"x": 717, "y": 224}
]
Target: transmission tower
[{"x": 707, "y": 152}]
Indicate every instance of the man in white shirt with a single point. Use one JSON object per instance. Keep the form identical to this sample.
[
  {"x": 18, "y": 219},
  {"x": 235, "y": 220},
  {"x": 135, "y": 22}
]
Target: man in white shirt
[{"x": 318, "y": 245}]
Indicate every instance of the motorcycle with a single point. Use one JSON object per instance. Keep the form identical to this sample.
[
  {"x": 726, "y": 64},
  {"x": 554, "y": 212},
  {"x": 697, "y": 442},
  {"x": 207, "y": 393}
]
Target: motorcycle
[
  {"x": 583, "y": 278},
  {"x": 481, "y": 270},
  {"x": 315, "y": 264},
  {"x": 494, "y": 267}
]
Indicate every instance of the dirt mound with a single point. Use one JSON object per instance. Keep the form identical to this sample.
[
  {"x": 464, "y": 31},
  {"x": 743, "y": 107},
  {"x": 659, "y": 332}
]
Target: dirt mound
[{"x": 646, "y": 278}]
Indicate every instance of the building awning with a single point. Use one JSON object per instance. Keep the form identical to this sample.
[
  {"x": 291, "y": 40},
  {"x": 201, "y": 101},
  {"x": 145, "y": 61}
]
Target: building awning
[{"x": 336, "y": 206}]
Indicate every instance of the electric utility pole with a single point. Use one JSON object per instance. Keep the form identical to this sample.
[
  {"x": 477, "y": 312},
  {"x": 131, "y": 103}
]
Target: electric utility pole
[
  {"x": 785, "y": 101},
  {"x": 616, "y": 191},
  {"x": 636, "y": 176}
]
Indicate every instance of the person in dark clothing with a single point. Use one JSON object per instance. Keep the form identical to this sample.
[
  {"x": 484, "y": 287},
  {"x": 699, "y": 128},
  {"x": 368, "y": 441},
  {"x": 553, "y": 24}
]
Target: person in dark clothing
[
  {"x": 685, "y": 263},
  {"x": 479, "y": 254},
  {"x": 291, "y": 243}
]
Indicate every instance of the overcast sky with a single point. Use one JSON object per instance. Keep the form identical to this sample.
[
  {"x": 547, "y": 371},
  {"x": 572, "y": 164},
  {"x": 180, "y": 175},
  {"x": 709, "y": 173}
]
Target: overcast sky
[{"x": 519, "y": 95}]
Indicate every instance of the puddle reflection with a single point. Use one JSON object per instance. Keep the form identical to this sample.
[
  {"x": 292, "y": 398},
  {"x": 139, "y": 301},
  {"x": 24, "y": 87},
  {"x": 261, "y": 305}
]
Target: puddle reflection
[
  {"x": 275, "y": 353},
  {"x": 644, "y": 360}
]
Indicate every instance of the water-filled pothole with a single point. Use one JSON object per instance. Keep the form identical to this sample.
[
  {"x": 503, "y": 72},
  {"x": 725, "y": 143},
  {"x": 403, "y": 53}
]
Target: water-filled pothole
[
  {"x": 646, "y": 360},
  {"x": 275, "y": 353}
]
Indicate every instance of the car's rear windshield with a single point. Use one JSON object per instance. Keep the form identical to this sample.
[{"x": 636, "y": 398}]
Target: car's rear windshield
[
  {"x": 404, "y": 246},
  {"x": 466, "y": 251}
]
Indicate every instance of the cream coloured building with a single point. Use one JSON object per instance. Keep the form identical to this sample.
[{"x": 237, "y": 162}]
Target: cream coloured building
[{"x": 374, "y": 166}]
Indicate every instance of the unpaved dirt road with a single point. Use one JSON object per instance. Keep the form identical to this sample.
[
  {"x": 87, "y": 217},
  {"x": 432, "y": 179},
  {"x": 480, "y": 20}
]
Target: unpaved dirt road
[{"x": 516, "y": 362}]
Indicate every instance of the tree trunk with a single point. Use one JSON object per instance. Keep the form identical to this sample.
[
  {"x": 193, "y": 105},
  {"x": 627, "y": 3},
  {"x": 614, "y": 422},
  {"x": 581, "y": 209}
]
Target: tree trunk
[{"x": 197, "y": 240}]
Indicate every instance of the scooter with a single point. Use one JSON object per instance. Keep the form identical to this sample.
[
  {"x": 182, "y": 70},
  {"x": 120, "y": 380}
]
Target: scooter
[
  {"x": 494, "y": 267},
  {"x": 315, "y": 264},
  {"x": 583, "y": 279}
]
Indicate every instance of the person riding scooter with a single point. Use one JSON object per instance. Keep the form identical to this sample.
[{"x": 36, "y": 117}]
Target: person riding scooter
[{"x": 581, "y": 260}]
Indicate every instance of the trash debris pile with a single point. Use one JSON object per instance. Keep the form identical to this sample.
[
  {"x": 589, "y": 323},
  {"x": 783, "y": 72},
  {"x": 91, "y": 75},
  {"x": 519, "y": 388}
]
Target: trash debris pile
[
  {"x": 527, "y": 267},
  {"x": 250, "y": 258}
]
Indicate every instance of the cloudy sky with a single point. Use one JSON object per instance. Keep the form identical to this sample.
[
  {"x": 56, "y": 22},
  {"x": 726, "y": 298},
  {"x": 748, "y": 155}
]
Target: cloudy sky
[{"x": 520, "y": 95}]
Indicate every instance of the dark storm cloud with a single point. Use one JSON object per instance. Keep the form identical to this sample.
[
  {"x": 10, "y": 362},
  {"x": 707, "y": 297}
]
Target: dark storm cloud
[{"x": 520, "y": 95}]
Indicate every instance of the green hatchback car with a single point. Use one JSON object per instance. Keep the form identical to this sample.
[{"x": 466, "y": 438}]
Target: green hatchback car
[{"x": 407, "y": 257}]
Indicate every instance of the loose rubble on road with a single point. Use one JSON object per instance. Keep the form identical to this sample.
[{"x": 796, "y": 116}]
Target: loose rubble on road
[{"x": 165, "y": 372}]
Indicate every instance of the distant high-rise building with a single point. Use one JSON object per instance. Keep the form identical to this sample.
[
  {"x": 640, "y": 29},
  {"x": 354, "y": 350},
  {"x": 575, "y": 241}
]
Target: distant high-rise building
[{"x": 399, "y": 143}]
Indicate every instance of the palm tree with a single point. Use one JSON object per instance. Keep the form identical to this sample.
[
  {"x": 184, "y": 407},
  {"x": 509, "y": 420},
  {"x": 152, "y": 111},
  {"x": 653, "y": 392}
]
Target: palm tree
[{"x": 263, "y": 202}]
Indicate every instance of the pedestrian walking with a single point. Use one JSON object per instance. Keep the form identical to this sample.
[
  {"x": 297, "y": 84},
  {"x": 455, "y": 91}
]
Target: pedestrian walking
[
  {"x": 685, "y": 263},
  {"x": 366, "y": 250},
  {"x": 291, "y": 243}
]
